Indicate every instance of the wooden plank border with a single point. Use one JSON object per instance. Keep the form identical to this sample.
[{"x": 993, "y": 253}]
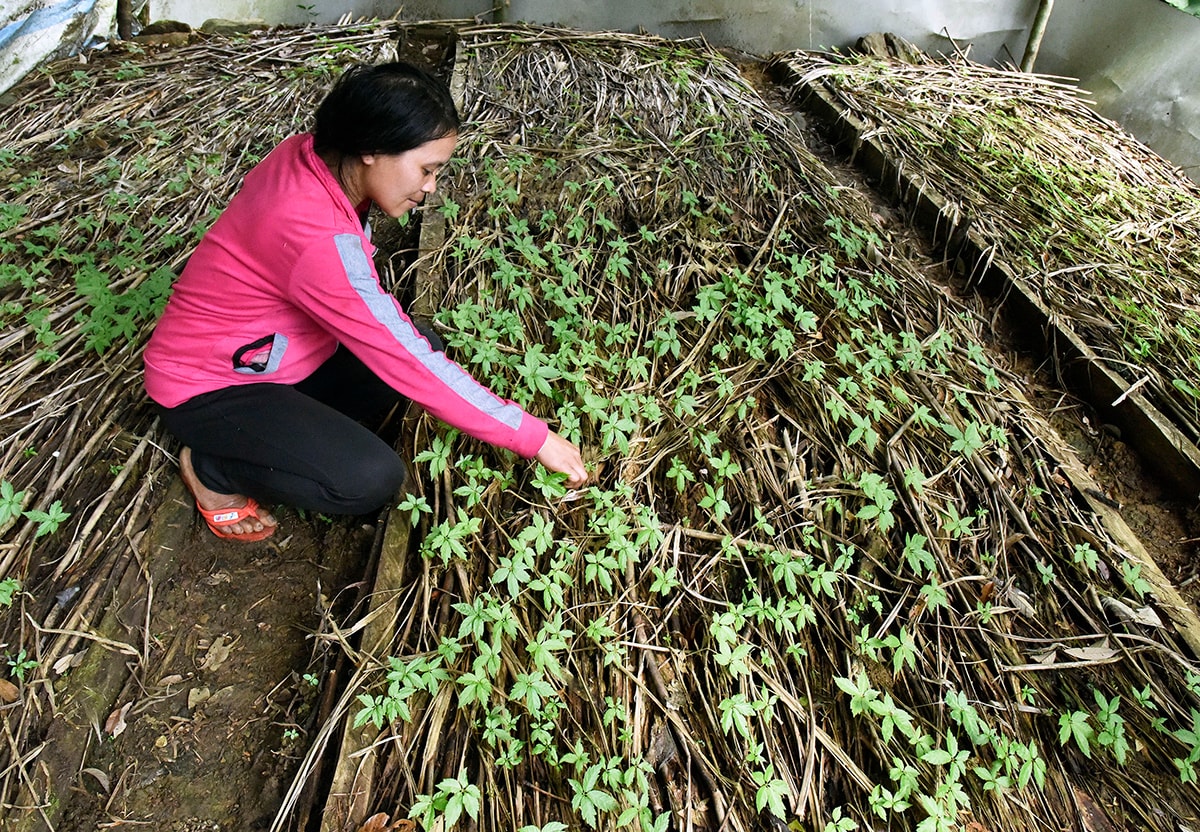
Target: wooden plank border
[{"x": 347, "y": 803}]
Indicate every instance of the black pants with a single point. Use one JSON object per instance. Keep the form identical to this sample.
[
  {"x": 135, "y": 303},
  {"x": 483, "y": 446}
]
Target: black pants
[{"x": 299, "y": 445}]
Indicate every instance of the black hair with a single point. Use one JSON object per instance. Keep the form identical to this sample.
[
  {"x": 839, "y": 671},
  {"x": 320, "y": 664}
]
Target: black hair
[{"x": 383, "y": 108}]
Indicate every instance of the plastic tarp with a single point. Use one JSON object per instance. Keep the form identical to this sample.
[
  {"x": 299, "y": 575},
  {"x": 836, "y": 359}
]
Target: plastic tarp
[
  {"x": 994, "y": 30},
  {"x": 33, "y": 31},
  {"x": 1138, "y": 62}
]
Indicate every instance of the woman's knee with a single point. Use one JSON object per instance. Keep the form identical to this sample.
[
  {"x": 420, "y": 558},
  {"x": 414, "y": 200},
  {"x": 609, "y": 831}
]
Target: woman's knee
[
  {"x": 367, "y": 485},
  {"x": 426, "y": 328}
]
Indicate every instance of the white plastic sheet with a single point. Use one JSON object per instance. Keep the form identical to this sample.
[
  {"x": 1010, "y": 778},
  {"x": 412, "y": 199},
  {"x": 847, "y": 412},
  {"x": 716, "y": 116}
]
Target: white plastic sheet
[{"x": 33, "y": 31}]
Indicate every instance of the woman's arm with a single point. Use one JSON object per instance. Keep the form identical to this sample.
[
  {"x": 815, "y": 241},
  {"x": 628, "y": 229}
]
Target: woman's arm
[{"x": 335, "y": 283}]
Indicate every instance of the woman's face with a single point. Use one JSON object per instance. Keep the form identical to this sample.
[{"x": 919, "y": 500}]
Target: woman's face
[{"x": 398, "y": 182}]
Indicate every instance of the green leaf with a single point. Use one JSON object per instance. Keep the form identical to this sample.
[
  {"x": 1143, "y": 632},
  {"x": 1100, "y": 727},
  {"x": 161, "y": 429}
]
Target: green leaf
[
  {"x": 11, "y": 502},
  {"x": 905, "y": 651},
  {"x": 438, "y": 453},
  {"x": 552, "y": 484},
  {"x": 860, "y": 691},
  {"x": 588, "y": 799},
  {"x": 937, "y": 757},
  {"x": 735, "y": 714},
  {"x": 771, "y": 795},
  {"x": 48, "y": 521},
  {"x": 1085, "y": 555},
  {"x": 416, "y": 505},
  {"x": 824, "y": 580},
  {"x": 423, "y": 810},
  {"x": 735, "y": 660},
  {"x": 1075, "y": 725},
  {"x": 532, "y": 688},
  {"x": 9, "y": 587},
  {"x": 967, "y": 441},
  {"x": 371, "y": 712},
  {"x": 474, "y": 687},
  {"x": 460, "y": 796},
  {"x": 919, "y": 559}
]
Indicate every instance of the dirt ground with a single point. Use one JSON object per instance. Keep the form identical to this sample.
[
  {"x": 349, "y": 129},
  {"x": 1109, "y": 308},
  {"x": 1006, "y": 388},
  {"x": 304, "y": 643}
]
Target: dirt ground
[
  {"x": 1167, "y": 525},
  {"x": 209, "y": 733}
]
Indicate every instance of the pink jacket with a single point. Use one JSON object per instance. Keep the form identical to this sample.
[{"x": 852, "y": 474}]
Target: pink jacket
[{"x": 283, "y": 277}]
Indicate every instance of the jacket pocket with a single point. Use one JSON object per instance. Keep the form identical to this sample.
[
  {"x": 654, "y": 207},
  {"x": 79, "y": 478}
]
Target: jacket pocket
[{"x": 260, "y": 357}]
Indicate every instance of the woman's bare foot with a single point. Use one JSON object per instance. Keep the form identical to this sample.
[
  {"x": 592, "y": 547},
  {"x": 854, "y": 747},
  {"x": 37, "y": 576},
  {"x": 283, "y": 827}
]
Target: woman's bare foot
[{"x": 210, "y": 501}]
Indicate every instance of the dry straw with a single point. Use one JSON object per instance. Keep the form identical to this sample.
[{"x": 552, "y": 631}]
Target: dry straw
[
  {"x": 1104, "y": 229},
  {"x": 830, "y": 549},
  {"x": 637, "y": 215},
  {"x": 110, "y": 169}
]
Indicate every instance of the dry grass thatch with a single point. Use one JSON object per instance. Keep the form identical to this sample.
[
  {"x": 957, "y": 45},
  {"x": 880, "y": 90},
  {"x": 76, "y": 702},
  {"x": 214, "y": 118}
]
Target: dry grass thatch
[
  {"x": 1104, "y": 229},
  {"x": 832, "y": 567},
  {"x": 110, "y": 171}
]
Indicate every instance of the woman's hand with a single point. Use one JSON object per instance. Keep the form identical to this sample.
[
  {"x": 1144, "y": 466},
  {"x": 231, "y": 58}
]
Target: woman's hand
[{"x": 562, "y": 456}]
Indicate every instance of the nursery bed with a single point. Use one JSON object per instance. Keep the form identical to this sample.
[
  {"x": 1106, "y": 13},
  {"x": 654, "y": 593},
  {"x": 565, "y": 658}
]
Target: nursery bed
[
  {"x": 836, "y": 565},
  {"x": 678, "y": 708},
  {"x": 1086, "y": 257}
]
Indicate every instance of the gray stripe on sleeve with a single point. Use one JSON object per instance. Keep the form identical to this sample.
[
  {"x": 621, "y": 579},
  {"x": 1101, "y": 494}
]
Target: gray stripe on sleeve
[{"x": 383, "y": 309}]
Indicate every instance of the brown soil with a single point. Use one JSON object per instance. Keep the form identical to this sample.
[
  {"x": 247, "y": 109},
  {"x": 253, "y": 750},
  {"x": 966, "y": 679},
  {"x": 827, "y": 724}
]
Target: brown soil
[
  {"x": 209, "y": 733},
  {"x": 1168, "y": 525}
]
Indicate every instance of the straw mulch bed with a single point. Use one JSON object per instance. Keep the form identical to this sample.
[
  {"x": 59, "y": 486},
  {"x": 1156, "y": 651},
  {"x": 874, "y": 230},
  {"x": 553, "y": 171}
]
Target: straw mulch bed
[
  {"x": 110, "y": 171},
  {"x": 1101, "y": 227},
  {"x": 828, "y": 570}
]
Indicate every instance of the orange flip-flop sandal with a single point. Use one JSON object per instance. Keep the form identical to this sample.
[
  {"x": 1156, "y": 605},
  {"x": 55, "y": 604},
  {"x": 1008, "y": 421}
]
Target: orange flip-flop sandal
[{"x": 219, "y": 519}]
